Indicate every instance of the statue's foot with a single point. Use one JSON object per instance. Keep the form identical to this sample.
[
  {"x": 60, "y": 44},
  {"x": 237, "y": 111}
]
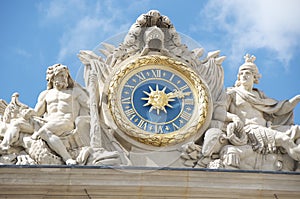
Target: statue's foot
[
  {"x": 34, "y": 136},
  {"x": 4, "y": 147},
  {"x": 71, "y": 162}
]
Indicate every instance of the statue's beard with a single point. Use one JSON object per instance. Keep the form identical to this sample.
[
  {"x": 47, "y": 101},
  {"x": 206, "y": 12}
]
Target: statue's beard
[{"x": 60, "y": 85}]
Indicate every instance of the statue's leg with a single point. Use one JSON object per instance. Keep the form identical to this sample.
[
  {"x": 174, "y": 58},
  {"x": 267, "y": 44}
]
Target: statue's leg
[
  {"x": 288, "y": 144},
  {"x": 13, "y": 131},
  {"x": 292, "y": 131},
  {"x": 295, "y": 152},
  {"x": 47, "y": 133},
  {"x": 10, "y": 136}
]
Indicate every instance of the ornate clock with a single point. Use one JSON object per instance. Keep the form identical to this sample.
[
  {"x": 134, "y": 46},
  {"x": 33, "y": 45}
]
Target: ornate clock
[{"x": 158, "y": 101}]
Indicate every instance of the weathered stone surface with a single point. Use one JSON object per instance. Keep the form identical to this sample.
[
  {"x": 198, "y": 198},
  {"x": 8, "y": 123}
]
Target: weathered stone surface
[
  {"x": 152, "y": 101},
  {"x": 133, "y": 182}
]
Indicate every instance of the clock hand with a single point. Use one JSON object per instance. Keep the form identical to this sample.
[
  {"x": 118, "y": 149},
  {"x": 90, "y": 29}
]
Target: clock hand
[{"x": 178, "y": 93}]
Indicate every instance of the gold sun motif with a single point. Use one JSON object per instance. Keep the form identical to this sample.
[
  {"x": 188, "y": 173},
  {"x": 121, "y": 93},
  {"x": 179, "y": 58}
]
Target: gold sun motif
[{"x": 158, "y": 99}]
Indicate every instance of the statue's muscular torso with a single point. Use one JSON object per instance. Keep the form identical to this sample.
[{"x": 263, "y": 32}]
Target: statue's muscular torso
[{"x": 59, "y": 104}]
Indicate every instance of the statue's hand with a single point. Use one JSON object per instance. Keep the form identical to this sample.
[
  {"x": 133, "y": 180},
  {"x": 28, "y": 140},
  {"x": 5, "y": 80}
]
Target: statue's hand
[
  {"x": 27, "y": 113},
  {"x": 292, "y": 103},
  {"x": 35, "y": 135},
  {"x": 298, "y": 98},
  {"x": 238, "y": 123}
]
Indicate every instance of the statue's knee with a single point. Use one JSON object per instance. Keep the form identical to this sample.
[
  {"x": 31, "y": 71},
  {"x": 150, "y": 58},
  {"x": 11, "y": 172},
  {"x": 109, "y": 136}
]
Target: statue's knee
[
  {"x": 16, "y": 123},
  {"x": 282, "y": 138},
  {"x": 43, "y": 134}
]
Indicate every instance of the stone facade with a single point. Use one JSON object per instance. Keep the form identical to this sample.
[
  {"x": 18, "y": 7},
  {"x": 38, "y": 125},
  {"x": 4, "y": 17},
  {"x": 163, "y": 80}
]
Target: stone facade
[
  {"x": 132, "y": 182},
  {"x": 152, "y": 102}
]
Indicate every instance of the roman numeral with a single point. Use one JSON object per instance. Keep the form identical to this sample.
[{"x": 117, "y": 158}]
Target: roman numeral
[
  {"x": 130, "y": 113},
  {"x": 140, "y": 76},
  {"x": 159, "y": 129},
  {"x": 184, "y": 87},
  {"x": 156, "y": 73},
  {"x": 126, "y": 100},
  {"x": 185, "y": 115},
  {"x": 175, "y": 126},
  {"x": 142, "y": 124},
  {"x": 172, "y": 77},
  {"x": 188, "y": 101},
  {"x": 129, "y": 86}
]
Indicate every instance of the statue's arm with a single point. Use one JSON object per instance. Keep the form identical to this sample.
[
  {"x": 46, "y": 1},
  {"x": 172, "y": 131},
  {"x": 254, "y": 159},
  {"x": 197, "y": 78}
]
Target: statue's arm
[
  {"x": 289, "y": 105},
  {"x": 293, "y": 102},
  {"x": 40, "y": 107},
  {"x": 231, "y": 116},
  {"x": 82, "y": 99}
]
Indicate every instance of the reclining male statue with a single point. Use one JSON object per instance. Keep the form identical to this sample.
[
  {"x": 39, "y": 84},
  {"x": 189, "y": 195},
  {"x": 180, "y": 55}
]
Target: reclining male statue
[{"x": 55, "y": 112}]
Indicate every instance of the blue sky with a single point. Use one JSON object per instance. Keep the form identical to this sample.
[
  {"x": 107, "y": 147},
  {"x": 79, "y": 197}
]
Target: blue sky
[{"x": 38, "y": 33}]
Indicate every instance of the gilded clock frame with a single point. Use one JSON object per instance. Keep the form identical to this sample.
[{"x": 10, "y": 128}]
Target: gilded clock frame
[{"x": 199, "y": 89}]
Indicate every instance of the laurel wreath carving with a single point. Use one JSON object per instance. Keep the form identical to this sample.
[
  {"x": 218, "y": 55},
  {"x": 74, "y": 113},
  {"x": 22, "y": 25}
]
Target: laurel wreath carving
[{"x": 191, "y": 128}]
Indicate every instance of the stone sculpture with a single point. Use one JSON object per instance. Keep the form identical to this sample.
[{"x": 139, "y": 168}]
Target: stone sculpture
[
  {"x": 151, "y": 101},
  {"x": 60, "y": 119},
  {"x": 152, "y": 35},
  {"x": 17, "y": 115},
  {"x": 260, "y": 132}
]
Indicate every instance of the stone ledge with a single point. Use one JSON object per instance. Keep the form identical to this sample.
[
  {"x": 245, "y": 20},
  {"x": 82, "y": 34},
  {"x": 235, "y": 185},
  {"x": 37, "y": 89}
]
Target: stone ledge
[{"x": 143, "y": 182}]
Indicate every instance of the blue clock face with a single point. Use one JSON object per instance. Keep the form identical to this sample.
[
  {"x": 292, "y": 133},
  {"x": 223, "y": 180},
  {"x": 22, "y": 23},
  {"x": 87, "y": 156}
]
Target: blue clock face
[{"x": 157, "y": 101}]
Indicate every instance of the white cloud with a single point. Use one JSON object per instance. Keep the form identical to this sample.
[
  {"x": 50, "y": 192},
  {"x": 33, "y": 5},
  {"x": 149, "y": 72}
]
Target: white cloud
[
  {"x": 88, "y": 22},
  {"x": 60, "y": 11},
  {"x": 78, "y": 36},
  {"x": 256, "y": 24}
]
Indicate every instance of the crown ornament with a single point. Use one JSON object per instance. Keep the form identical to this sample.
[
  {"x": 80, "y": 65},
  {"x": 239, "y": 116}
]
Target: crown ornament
[{"x": 249, "y": 59}]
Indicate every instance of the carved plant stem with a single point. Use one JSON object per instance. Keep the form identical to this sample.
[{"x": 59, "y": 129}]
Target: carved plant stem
[{"x": 95, "y": 132}]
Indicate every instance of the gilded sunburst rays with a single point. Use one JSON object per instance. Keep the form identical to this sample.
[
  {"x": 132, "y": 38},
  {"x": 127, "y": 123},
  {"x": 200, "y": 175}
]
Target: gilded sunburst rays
[{"x": 158, "y": 99}]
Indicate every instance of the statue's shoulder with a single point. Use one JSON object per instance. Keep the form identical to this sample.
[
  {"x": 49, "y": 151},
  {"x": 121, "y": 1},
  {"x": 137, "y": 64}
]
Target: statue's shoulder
[
  {"x": 230, "y": 90},
  {"x": 43, "y": 94},
  {"x": 260, "y": 93}
]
